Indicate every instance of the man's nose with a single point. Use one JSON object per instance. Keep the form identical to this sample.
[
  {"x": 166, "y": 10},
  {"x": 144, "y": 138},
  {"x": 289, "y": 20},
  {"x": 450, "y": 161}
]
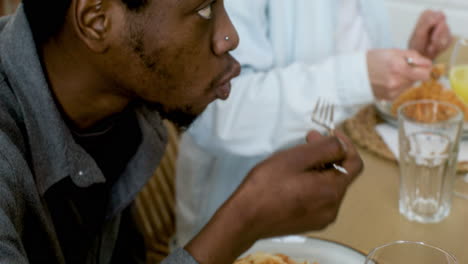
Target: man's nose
[{"x": 226, "y": 38}]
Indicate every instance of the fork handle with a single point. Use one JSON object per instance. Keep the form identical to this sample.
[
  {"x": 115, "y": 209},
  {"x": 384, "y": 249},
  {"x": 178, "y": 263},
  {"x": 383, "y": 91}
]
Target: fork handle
[{"x": 340, "y": 169}]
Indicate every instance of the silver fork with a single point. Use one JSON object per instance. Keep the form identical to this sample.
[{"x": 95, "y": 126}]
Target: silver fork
[{"x": 323, "y": 116}]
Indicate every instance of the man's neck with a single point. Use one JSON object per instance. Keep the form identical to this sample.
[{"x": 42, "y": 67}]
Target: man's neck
[{"x": 84, "y": 95}]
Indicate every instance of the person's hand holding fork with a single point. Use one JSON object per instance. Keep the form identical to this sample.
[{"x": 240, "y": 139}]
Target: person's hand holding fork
[
  {"x": 291, "y": 192},
  {"x": 323, "y": 115},
  {"x": 391, "y": 71}
]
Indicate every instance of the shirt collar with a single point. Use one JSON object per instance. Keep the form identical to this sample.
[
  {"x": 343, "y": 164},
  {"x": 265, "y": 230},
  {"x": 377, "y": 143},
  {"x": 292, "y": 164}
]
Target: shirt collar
[{"x": 54, "y": 153}]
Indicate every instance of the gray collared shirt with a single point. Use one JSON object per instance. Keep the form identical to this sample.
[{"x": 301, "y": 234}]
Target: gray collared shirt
[{"x": 37, "y": 151}]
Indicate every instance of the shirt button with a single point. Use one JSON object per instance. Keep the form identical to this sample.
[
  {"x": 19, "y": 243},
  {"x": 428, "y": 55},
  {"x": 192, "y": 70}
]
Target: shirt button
[{"x": 80, "y": 173}]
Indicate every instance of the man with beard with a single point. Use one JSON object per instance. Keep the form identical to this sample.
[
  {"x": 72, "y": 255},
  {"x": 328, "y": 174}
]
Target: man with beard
[{"x": 84, "y": 85}]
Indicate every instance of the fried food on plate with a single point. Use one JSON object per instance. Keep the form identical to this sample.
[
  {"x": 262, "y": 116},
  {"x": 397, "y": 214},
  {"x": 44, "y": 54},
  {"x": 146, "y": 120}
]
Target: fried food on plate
[
  {"x": 437, "y": 71},
  {"x": 431, "y": 90}
]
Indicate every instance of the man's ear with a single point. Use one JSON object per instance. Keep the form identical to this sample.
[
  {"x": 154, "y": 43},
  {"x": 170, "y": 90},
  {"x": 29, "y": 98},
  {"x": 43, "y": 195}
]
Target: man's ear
[{"x": 92, "y": 22}]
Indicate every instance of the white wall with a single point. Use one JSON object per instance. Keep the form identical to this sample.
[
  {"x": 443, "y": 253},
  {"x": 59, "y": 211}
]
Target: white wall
[{"x": 404, "y": 14}]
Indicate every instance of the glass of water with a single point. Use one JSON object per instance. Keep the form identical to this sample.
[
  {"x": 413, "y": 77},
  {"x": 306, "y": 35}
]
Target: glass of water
[
  {"x": 429, "y": 136},
  {"x": 403, "y": 252}
]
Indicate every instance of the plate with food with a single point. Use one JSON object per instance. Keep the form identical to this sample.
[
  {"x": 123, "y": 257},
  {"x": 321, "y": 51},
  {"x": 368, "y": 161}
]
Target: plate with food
[
  {"x": 300, "y": 250},
  {"x": 437, "y": 88}
]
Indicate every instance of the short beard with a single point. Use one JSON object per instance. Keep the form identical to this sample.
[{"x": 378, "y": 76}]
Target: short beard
[{"x": 183, "y": 116}]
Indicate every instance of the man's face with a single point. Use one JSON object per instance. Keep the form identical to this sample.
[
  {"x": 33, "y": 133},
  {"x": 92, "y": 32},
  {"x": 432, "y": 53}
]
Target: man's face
[{"x": 173, "y": 54}]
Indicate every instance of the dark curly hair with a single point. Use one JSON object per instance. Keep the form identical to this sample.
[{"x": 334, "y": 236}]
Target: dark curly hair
[{"x": 46, "y": 17}]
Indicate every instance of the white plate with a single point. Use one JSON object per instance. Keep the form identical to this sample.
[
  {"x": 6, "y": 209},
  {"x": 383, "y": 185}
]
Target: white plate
[
  {"x": 384, "y": 109},
  {"x": 302, "y": 248}
]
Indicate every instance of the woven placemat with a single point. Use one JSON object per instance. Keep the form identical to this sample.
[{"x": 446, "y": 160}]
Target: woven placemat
[{"x": 361, "y": 129}]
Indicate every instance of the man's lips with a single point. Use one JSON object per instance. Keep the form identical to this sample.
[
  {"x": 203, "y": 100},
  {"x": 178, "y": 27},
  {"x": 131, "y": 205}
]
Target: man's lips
[
  {"x": 223, "y": 88},
  {"x": 223, "y": 91}
]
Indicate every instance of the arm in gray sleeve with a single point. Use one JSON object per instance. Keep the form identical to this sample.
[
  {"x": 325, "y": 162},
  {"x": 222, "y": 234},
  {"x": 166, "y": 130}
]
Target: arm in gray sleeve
[{"x": 11, "y": 248}]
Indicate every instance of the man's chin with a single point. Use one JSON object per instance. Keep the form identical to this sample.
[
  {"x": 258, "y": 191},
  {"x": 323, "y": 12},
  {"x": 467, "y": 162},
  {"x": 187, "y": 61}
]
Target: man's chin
[{"x": 182, "y": 117}]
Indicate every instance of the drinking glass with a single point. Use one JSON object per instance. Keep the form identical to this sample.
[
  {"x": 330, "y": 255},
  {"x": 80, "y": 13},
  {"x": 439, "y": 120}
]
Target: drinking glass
[
  {"x": 408, "y": 252},
  {"x": 458, "y": 75},
  {"x": 459, "y": 69},
  {"x": 429, "y": 136}
]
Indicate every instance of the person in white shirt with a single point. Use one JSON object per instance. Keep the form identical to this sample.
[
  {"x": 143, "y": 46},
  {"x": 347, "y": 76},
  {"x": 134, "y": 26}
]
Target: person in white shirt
[{"x": 292, "y": 53}]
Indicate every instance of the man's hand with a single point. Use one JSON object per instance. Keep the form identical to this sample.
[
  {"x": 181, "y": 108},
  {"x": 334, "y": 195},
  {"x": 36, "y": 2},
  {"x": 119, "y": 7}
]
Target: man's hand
[
  {"x": 297, "y": 190},
  {"x": 293, "y": 191},
  {"x": 390, "y": 73},
  {"x": 431, "y": 35}
]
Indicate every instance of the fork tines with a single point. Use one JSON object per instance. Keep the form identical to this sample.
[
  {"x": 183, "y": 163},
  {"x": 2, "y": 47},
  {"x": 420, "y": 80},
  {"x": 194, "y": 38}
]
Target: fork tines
[{"x": 323, "y": 114}]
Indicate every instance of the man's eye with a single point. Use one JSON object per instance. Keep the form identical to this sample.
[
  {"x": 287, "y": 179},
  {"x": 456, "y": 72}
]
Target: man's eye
[{"x": 205, "y": 12}]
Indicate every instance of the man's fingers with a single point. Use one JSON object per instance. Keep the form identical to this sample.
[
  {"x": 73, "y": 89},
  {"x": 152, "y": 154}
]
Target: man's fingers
[
  {"x": 313, "y": 136},
  {"x": 347, "y": 144},
  {"x": 337, "y": 181},
  {"x": 325, "y": 150},
  {"x": 352, "y": 163}
]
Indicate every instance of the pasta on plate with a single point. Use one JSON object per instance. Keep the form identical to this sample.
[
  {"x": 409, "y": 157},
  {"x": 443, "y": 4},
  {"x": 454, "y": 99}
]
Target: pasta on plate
[{"x": 266, "y": 258}]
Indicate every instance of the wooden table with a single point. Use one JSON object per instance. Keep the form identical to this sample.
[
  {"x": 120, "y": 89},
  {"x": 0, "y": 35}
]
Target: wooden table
[{"x": 369, "y": 215}]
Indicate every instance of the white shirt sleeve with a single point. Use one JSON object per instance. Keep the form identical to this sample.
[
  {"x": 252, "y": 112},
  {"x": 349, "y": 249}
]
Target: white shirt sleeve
[{"x": 270, "y": 106}]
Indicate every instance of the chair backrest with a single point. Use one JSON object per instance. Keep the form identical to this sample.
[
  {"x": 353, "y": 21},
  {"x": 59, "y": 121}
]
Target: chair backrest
[{"x": 154, "y": 205}]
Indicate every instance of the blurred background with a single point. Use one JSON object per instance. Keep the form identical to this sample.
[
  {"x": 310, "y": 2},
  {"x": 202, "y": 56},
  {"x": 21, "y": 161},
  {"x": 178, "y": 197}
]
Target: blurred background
[{"x": 404, "y": 14}]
